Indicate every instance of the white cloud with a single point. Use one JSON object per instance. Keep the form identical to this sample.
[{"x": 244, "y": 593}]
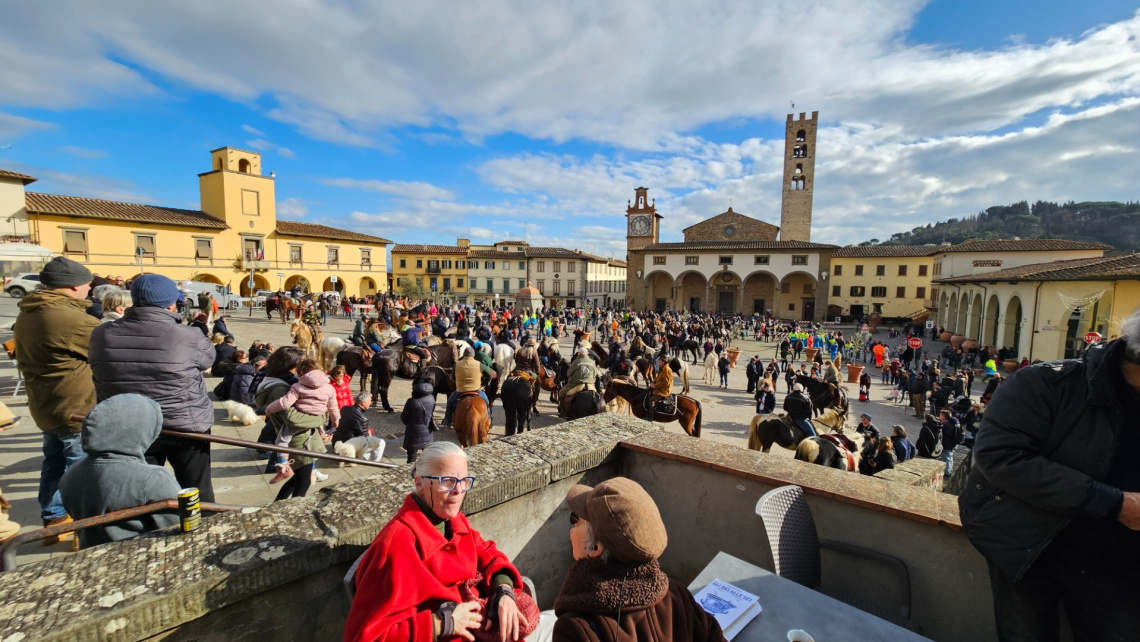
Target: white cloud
[
  {"x": 405, "y": 189},
  {"x": 292, "y": 208},
  {"x": 83, "y": 152},
  {"x": 259, "y": 144},
  {"x": 285, "y": 152},
  {"x": 251, "y": 130},
  {"x": 12, "y": 125}
]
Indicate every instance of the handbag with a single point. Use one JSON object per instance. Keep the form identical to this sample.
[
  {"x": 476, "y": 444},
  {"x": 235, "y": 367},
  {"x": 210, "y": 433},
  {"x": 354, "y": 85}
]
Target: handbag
[{"x": 469, "y": 592}]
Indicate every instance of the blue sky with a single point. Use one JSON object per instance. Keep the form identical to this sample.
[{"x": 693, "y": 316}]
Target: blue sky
[{"x": 514, "y": 118}]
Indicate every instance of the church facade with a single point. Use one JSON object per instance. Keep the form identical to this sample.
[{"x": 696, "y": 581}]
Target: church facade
[{"x": 732, "y": 263}]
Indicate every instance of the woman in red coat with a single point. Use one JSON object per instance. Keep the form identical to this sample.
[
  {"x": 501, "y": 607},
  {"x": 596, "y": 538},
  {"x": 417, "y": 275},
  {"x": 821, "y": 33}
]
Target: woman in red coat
[{"x": 408, "y": 584}]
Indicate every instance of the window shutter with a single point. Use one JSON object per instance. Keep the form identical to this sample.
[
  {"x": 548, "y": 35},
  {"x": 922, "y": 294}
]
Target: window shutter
[{"x": 203, "y": 249}]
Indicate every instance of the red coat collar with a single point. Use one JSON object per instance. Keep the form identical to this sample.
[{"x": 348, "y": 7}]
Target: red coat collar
[{"x": 429, "y": 538}]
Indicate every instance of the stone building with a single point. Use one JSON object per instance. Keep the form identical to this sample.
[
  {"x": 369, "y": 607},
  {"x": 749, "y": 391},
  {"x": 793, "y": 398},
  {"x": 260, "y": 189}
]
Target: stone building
[
  {"x": 799, "y": 177},
  {"x": 893, "y": 280}
]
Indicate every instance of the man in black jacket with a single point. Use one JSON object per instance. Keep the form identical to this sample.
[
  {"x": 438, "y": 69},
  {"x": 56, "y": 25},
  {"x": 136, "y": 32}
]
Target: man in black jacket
[
  {"x": 799, "y": 408},
  {"x": 918, "y": 389},
  {"x": 1052, "y": 501}
]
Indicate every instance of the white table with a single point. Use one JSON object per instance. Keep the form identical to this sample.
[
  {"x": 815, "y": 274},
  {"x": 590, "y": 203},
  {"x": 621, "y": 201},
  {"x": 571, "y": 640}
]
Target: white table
[{"x": 787, "y": 605}]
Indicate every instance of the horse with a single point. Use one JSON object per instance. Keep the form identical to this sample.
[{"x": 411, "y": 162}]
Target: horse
[
  {"x": 710, "y": 369},
  {"x": 688, "y": 409},
  {"x": 503, "y": 358},
  {"x": 330, "y": 348},
  {"x": 515, "y": 394},
  {"x": 393, "y": 361},
  {"x": 585, "y": 404},
  {"x": 353, "y": 359},
  {"x": 284, "y": 305},
  {"x": 305, "y": 338},
  {"x": 768, "y": 430},
  {"x": 824, "y": 451},
  {"x": 678, "y": 346},
  {"x": 548, "y": 380},
  {"x": 821, "y": 397},
  {"x": 471, "y": 419}
]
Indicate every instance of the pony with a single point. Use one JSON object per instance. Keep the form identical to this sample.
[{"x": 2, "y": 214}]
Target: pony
[
  {"x": 825, "y": 451},
  {"x": 688, "y": 409},
  {"x": 304, "y": 337},
  {"x": 515, "y": 394},
  {"x": 768, "y": 430},
  {"x": 710, "y": 369},
  {"x": 330, "y": 348},
  {"x": 471, "y": 419}
]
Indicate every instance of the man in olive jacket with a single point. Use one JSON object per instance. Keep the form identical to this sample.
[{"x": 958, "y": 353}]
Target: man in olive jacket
[
  {"x": 52, "y": 333},
  {"x": 150, "y": 352},
  {"x": 1053, "y": 498}
]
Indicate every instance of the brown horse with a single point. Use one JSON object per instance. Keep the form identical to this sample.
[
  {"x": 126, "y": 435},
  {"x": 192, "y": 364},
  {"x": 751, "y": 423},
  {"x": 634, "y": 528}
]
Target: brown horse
[
  {"x": 767, "y": 430},
  {"x": 548, "y": 380},
  {"x": 688, "y": 409},
  {"x": 825, "y": 452},
  {"x": 284, "y": 305},
  {"x": 393, "y": 361},
  {"x": 355, "y": 359},
  {"x": 472, "y": 420}
]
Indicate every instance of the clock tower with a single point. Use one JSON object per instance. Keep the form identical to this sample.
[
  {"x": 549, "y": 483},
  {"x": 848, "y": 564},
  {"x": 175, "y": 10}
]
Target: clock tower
[{"x": 642, "y": 220}]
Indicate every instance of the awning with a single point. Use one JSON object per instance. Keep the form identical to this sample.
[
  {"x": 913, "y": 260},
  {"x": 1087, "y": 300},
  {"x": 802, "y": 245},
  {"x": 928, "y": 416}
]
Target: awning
[{"x": 24, "y": 252}]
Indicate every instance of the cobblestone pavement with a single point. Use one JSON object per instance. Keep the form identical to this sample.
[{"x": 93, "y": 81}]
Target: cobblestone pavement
[{"x": 238, "y": 472}]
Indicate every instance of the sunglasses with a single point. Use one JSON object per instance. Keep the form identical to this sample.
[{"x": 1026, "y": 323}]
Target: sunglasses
[{"x": 574, "y": 519}]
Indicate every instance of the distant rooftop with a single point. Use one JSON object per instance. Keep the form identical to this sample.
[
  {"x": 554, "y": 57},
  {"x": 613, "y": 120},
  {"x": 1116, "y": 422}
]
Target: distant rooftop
[
  {"x": 872, "y": 251},
  {"x": 5, "y": 173},
  {"x": 1104, "y": 268},
  {"x": 54, "y": 204}
]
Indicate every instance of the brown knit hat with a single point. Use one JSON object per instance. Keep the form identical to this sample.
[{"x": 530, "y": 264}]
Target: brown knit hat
[{"x": 624, "y": 518}]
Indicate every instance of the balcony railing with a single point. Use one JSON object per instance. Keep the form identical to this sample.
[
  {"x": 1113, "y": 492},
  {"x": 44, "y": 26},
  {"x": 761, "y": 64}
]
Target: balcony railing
[
  {"x": 433, "y": 270},
  {"x": 254, "y": 264}
]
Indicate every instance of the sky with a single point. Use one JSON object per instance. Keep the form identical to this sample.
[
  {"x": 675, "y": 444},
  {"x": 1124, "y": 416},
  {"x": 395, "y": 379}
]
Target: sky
[{"x": 513, "y": 119}]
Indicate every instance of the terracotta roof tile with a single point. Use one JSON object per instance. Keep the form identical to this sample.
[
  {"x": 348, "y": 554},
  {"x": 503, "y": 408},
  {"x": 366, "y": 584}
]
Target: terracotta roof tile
[
  {"x": 872, "y": 251},
  {"x": 697, "y": 246},
  {"x": 496, "y": 254},
  {"x": 295, "y": 228},
  {"x": 419, "y": 248},
  {"x": 55, "y": 204},
  {"x": 550, "y": 253},
  {"x": 1025, "y": 245},
  {"x": 1102, "y": 268},
  {"x": 5, "y": 173}
]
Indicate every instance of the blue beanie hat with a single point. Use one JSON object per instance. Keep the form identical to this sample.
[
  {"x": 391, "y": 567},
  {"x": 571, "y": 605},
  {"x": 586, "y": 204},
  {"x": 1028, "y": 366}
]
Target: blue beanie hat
[{"x": 154, "y": 290}]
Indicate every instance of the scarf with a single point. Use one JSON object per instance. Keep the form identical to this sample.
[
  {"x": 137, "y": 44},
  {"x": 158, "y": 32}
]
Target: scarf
[{"x": 592, "y": 585}]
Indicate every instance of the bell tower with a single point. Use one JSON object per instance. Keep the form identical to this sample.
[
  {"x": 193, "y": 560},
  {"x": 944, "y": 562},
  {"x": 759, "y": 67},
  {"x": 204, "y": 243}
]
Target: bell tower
[
  {"x": 799, "y": 177},
  {"x": 642, "y": 220}
]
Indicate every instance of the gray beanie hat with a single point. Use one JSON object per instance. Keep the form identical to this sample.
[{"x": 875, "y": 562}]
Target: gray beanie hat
[{"x": 62, "y": 272}]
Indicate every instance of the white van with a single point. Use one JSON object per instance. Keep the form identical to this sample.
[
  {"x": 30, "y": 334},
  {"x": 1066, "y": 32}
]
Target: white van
[{"x": 225, "y": 299}]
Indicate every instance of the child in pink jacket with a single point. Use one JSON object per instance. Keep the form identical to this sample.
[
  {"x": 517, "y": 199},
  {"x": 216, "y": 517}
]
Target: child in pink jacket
[{"x": 314, "y": 395}]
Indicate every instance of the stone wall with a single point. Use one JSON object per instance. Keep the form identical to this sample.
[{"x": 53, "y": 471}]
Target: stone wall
[
  {"x": 275, "y": 571},
  {"x": 920, "y": 472},
  {"x": 744, "y": 228}
]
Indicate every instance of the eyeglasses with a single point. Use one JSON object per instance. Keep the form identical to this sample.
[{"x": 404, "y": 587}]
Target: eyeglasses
[
  {"x": 574, "y": 519},
  {"x": 449, "y": 484}
]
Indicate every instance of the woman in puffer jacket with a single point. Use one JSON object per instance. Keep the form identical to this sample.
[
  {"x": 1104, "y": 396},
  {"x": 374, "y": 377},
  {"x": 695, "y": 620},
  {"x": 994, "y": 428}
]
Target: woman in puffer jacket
[
  {"x": 241, "y": 379},
  {"x": 417, "y": 418}
]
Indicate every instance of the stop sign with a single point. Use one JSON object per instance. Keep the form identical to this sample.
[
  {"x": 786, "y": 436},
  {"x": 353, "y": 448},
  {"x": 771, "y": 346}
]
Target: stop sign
[
  {"x": 1092, "y": 338},
  {"x": 914, "y": 342}
]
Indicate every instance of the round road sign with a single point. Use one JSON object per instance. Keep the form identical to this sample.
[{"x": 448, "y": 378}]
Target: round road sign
[
  {"x": 914, "y": 342},
  {"x": 1093, "y": 338}
]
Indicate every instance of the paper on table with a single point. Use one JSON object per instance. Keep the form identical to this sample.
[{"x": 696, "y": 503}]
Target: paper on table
[{"x": 732, "y": 607}]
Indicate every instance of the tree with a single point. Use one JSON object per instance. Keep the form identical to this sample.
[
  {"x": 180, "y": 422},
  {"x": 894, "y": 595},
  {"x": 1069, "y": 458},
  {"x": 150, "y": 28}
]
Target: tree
[{"x": 410, "y": 289}]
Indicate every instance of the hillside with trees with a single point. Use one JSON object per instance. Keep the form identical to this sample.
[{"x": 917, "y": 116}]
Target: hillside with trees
[{"x": 1116, "y": 224}]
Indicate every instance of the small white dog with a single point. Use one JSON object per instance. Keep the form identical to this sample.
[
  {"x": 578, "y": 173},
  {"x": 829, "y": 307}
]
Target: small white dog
[
  {"x": 240, "y": 413},
  {"x": 367, "y": 448}
]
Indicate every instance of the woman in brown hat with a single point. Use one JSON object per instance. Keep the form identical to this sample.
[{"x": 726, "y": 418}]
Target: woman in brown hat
[{"x": 615, "y": 590}]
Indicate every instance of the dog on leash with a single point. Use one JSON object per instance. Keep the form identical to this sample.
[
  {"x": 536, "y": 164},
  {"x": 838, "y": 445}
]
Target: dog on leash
[
  {"x": 368, "y": 448},
  {"x": 240, "y": 413}
]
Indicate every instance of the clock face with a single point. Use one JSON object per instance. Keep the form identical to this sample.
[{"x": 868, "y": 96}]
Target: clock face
[
  {"x": 729, "y": 230},
  {"x": 639, "y": 226}
]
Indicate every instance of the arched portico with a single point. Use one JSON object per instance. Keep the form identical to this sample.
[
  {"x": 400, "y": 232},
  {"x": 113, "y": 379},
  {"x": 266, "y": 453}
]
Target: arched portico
[
  {"x": 659, "y": 293},
  {"x": 207, "y": 278},
  {"x": 759, "y": 293},
  {"x": 724, "y": 292},
  {"x": 367, "y": 286},
  {"x": 692, "y": 292},
  {"x": 333, "y": 286},
  {"x": 259, "y": 283},
  {"x": 990, "y": 323},
  {"x": 974, "y": 323},
  {"x": 1011, "y": 332},
  {"x": 796, "y": 299},
  {"x": 299, "y": 281}
]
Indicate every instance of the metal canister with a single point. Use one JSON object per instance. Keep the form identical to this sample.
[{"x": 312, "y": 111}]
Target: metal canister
[{"x": 189, "y": 509}]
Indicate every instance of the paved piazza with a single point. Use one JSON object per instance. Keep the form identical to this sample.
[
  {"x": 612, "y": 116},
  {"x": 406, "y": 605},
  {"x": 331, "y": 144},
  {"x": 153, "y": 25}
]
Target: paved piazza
[{"x": 238, "y": 477}]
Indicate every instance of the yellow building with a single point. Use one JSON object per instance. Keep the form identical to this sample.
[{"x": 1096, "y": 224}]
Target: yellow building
[
  {"x": 234, "y": 238},
  {"x": 438, "y": 269},
  {"x": 893, "y": 280}
]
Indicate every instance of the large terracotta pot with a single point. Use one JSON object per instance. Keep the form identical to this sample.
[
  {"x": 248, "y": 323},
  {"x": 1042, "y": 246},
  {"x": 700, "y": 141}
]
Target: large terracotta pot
[
  {"x": 853, "y": 373},
  {"x": 957, "y": 339},
  {"x": 945, "y": 336},
  {"x": 809, "y": 354},
  {"x": 1010, "y": 365},
  {"x": 733, "y": 353},
  {"x": 969, "y": 344}
]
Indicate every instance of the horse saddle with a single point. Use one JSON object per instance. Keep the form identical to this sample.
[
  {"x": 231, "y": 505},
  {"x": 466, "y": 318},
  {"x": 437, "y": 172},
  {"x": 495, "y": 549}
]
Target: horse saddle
[
  {"x": 469, "y": 393},
  {"x": 412, "y": 355},
  {"x": 846, "y": 448},
  {"x": 523, "y": 374},
  {"x": 663, "y": 405}
]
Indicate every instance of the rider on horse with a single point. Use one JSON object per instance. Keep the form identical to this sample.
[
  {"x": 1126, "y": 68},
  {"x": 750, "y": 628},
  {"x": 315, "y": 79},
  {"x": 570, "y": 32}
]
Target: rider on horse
[
  {"x": 468, "y": 379},
  {"x": 662, "y": 384},
  {"x": 799, "y": 409},
  {"x": 581, "y": 377},
  {"x": 412, "y": 343}
]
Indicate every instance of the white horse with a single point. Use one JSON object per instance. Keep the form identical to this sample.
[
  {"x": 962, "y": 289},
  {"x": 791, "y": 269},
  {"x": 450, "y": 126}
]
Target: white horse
[
  {"x": 330, "y": 347},
  {"x": 710, "y": 369},
  {"x": 504, "y": 355}
]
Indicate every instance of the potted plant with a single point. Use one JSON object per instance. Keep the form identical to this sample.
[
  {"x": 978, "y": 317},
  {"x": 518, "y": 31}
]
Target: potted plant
[
  {"x": 733, "y": 353},
  {"x": 945, "y": 336},
  {"x": 853, "y": 373},
  {"x": 809, "y": 354},
  {"x": 957, "y": 339},
  {"x": 1010, "y": 365}
]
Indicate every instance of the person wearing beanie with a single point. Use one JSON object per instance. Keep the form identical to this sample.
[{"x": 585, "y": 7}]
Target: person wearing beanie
[
  {"x": 53, "y": 335},
  {"x": 150, "y": 352},
  {"x": 615, "y": 589}
]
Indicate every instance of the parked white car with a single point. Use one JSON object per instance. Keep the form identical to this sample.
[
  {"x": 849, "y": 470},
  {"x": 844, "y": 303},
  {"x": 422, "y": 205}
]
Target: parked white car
[{"x": 22, "y": 283}]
